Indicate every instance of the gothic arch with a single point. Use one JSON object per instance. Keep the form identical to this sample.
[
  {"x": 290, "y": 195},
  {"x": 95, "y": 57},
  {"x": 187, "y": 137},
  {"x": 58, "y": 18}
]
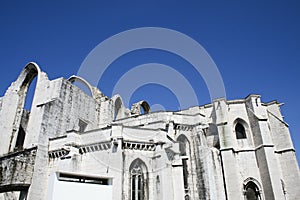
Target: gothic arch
[
  {"x": 252, "y": 189},
  {"x": 29, "y": 72},
  {"x": 74, "y": 79},
  {"x": 118, "y": 106},
  {"x": 138, "y": 189},
  {"x": 240, "y": 128},
  {"x": 21, "y": 85},
  {"x": 184, "y": 145}
]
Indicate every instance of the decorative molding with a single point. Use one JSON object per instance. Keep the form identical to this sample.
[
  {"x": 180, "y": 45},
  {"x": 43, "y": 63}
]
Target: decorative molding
[
  {"x": 95, "y": 147},
  {"x": 58, "y": 153},
  {"x": 183, "y": 127},
  {"x": 141, "y": 146}
]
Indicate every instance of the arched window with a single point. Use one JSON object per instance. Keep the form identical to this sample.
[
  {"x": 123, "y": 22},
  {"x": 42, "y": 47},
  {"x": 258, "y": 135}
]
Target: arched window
[
  {"x": 184, "y": 148},
  {"x": 240, "y": 131},
  {"x": 118, "y": 108},
  {"x": 251, "y": 191},
  {"x": 138, "y": 180}
]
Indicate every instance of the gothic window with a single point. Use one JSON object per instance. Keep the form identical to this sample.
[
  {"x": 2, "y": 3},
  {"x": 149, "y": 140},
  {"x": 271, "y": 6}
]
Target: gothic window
[
  {"x": 252, "y": 191},
  {"x": 138, "y": 180},
  {"x": 184, "y": 148},
  {"x": 240, "y": 131},
  {"x": 117, "y": 109}
]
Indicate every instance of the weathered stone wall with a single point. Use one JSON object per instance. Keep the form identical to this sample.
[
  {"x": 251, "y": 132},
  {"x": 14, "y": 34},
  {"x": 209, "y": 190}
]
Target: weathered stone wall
[
  {"x": 69, "y": 131},
  {"x": 285, "y": 152},
  {"x": 69, "y": 107},
  {"x": 16, "y": 170}
]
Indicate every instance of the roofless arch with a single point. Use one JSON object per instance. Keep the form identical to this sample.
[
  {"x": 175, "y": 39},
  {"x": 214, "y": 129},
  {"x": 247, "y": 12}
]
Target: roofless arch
[
  {"x": 141, "y": 107},
  {"x": 30, "y": 71},
  {"x": 78, "y": 79},
  {"x": 118, "y": 106},
  {"x": 20, "y": 86}
]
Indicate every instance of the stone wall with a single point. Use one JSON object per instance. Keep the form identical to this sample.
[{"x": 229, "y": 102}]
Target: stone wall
[{"x": 16, "y": 170}]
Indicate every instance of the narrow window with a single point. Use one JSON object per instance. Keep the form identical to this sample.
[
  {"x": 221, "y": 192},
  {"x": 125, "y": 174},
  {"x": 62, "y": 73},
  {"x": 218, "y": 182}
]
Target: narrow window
[
  {"x": 20, "y": 139},
  {"x": 158, "y": 193},
  {"x": 240, "y": 131},
  {"x": 138, "y": 181},
  {"x": 117, "y": 109},
  {"x": 184, "y": 148}
]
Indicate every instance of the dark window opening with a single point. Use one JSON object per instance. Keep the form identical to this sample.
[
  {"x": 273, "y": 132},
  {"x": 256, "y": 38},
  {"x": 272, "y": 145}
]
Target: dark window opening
[
  {"x": 20, "y": 139},
  {"x": 252, "y": 191},
  {"x": 82, "y": 126},
  {"x": 185, "y": 174},
  {"x": 240, "y": 131}
]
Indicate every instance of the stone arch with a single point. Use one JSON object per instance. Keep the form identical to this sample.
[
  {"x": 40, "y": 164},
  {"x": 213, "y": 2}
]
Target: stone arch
[
  {"x": 252, "y": 189},
  {"x": 29, "y": 72},
  {"x": 74, "y": 79},
  {"x": 138, "y": 189},
  {"x": 184, "y": 144},
  {"x": 21, "y": 85},
  {"x": 240, "y": 128},
  {"x": 118, "y": 107},
  {"x": 139, "y": 107}
]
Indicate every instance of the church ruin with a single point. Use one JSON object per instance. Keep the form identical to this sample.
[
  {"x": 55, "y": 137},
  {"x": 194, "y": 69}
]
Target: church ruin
[{"x": 74, "y": 145}]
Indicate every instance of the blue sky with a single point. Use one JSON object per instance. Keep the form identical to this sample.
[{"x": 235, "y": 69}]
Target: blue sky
[{"x": 255, "y": 44}]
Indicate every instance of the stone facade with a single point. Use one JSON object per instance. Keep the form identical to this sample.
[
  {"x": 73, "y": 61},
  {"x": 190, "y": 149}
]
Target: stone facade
[{"x": 238, "y": 149}]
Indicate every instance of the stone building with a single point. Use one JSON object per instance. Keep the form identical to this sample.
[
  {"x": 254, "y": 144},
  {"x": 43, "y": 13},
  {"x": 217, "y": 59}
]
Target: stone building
[{"x": 75, "y": 145}]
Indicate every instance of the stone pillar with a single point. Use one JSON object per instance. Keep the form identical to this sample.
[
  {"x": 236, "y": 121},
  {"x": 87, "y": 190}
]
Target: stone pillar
[
  {"x": 230, "y": 169},
  {"x": 177, "y": 178},
  {"x": 267, "y": 163}
]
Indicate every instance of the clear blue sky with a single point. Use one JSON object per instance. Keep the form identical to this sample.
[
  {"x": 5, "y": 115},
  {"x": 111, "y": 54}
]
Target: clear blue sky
[{"x": 255, "y": 44}]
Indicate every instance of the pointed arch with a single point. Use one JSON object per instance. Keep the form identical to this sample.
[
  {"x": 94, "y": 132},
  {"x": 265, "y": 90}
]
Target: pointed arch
[
  {"x": 21, "y": 86},
  {"x": 184, "y": 145},
  {"x": 240, "y": 128},
  {"x": 29, "y": 72},
  {"x": 118, "y": 106},
  {"x": 252, "y": 189},
  {"x": 138, "y": 180},
  {"x": 74, "y": 79}
]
